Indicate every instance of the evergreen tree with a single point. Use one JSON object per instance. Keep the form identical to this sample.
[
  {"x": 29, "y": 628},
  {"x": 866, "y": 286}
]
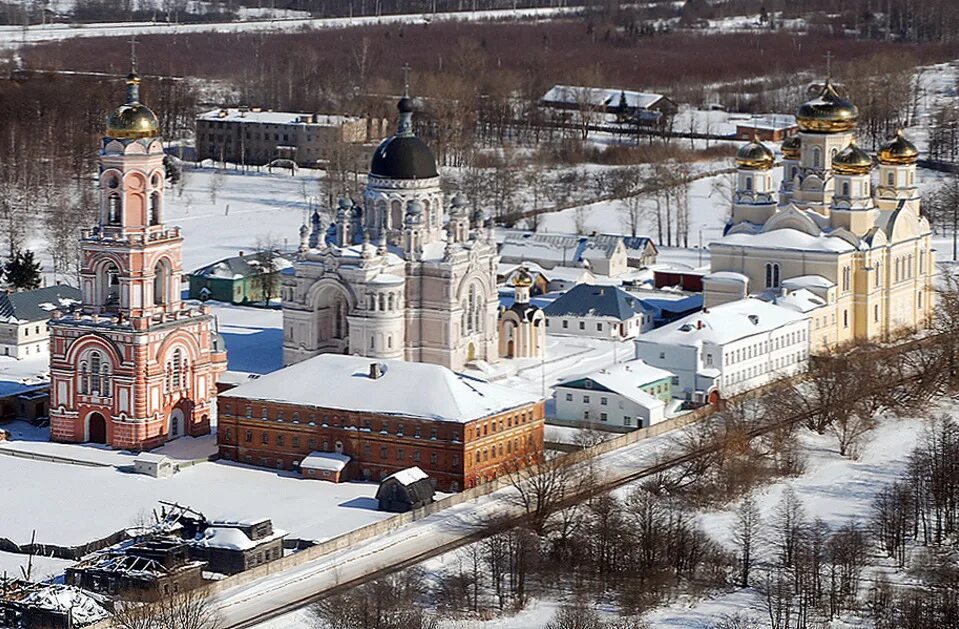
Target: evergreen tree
[{"x": 22, "y": 271}]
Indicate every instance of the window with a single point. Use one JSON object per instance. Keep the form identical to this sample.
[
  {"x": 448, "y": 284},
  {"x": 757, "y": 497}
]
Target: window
[
  {"x": 582, "y": 325},
  {"x": 599, "y": 327},
  {"x": 434, "y": 458},
  {"x": 772, "y": 275},
  {"x": 569, "y": 397},
  {"x": 845, "y": 318},
  {"x": 175, "y": 368},
  {"x": 114, "y": 210},
  {"x": 628, "y": 421},
  {"x": 845, "y": 188},
  {"x": 585, "y": 399},
  {"x": 585, "y": 414},
  {"x": 155, "y": 208},
  {"x": 816, "y": 157},
  {"x": 602, "y": 417},
  {"x": 264, "y": 438},
  {"x": 603, "y": 401},
  {"x": 280, "y": 440},
  {"x": 249, "y": 436},
  {"x": 384, "y": 452},
  {"x": 565, "y": 323}
]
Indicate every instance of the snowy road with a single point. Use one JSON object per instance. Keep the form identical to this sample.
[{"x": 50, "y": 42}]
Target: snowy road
[
  {"x": 249, "y": 605},
  {"x": 13, "y": 36}
]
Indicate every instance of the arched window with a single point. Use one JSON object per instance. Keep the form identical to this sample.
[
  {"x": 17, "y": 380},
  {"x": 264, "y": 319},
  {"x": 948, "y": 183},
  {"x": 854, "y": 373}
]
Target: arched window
[
  {"x": 114, "y": 210},
  {"x": 175, "y": 367},
  {"x": 111, "y": 284},
  {"x": 769, "y": 275},
  {"x": 749, "y": 184},
  {"x": 794, "y": 171},
  {"x": 95, "y": 375},
  {"x": 845, "y": 188},
  {"x": 816, "y": 157},
  {"x": 156, "y": 180},
  {"x": 396, "y": 215},
  {"x": 891, "y": 179},
  {"x": 155, "y": 208},
  {"x": 392, "y": 302},
  {"x": 878, "y": 274},
  {"x": 161, "y": 282},
  {"x": 382, "y": 301},
  {"x": 846, "y": 276}
]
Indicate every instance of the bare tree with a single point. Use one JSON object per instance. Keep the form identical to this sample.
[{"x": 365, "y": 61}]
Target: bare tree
[
  {"x": 544, "y": 485},
  {"x": 187, "y": 610},
  {"x": 266, "y": 260},
  {"x": 746, "y": 532}
]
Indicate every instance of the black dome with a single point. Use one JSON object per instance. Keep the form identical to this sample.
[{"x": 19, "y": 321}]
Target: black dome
[{"x": 403, "y": 157}]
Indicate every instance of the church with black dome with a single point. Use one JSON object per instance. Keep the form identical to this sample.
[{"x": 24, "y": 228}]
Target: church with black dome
[{"x": 400, "y": 274}]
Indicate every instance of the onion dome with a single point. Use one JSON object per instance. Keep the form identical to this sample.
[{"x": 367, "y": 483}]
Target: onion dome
[
  {"x": 132, "y": 120},
  {"x": 403, "y": 155},
  {"x": 755, "y": 156},
  {"x": 898, "y": 151},
  {"x": 827, "y": 113},
  {"x": 852, "y": 160},
  {"x": 523, "y": 278},
  {"x": 791, "y": 147}
]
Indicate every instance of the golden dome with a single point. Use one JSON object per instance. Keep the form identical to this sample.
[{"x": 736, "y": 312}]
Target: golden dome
[
  {"x": 755, "y": 156},
  {"x": 791, "y": 147},
  {"x": 852, "y": 160},
  {"x": 898, "y": 151},
  {"x": 827, "y": 113},
  {"x": 132, "y": 120},
  {"x": 523, "y": 279}
]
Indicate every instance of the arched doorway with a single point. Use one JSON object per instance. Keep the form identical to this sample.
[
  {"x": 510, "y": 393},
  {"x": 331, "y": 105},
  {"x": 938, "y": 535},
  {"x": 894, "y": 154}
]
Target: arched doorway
[
  {"x": 511, "y": 348},
  {"x": 96, "y": 428},
  {"x": 177, "y": 423},
  {"x": 471, "y": 352},
  {"x": 331, "y": 308}
]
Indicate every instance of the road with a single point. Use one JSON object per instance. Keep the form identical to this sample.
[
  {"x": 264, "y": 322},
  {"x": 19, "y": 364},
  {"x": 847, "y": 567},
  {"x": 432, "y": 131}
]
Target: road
[{"x": 13, "y": 36}]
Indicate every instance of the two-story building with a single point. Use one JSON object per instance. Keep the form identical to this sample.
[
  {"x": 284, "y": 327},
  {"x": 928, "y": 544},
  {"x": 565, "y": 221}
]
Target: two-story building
[
  {"x": 729, "y": 348},
  {"x": 24, "y": 316},
  {"x": 624, "y": 397},
  {"x": 386, "y": 415}
]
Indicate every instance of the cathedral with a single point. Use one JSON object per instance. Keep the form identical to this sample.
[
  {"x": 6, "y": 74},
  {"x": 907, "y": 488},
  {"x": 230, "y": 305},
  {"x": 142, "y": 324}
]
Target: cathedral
[
  {"x": 851, "y": 243},
  {"x": 401, "y": 275},
  {"x": 134, "y": 367}
]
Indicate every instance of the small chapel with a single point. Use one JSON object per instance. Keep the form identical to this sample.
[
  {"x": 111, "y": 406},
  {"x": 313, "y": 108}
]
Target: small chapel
[
  {"x": 843, "y": 232},
  {"x": 134, "y": 366},
  {"x": 398, "y": 274}
]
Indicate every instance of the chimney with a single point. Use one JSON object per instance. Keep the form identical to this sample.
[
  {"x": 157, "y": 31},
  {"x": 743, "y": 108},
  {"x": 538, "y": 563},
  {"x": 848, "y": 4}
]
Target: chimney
[
  {"x": 699, "y": 324},
  {"x": 376, "y": 371}
]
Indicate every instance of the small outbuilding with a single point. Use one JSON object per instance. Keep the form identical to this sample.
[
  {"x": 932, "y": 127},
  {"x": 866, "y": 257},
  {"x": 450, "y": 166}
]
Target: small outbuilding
[
  {"x": 405, "y": 490},
  {"x": 329, "y": 466},
  {"x": 155, "y": 465},
  {"x": 231, "y": 546}
]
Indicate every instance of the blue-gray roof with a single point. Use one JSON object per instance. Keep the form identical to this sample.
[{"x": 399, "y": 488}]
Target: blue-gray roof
[
  {"x": 36, "y": 305},
  {"x": 596, "y": 301}
]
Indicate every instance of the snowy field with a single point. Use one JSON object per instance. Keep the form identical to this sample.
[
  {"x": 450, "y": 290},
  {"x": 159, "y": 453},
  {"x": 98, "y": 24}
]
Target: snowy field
[{"x": 83, "y": 503}]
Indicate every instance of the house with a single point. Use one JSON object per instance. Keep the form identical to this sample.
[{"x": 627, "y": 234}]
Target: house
[
  {"x": 405, "y": 490},
  {"x": 385, "y": 415},
  {"x": 48, "y": 605},
  {"x": 252, "y": 136},
  {"x": 641, "y": 251},
  {"x": 626, "y": 105},
  {"x": 324, "y": 466},
  {"x": 24, "y": 316},
  {"x": 728, "y": 349},
  {"x": 240, "y": 279},
  {"x": 606, "y": 312},
  {"x": 139, "y": 570},
  {"x": 155, "y": 465},
  {"x": 625, "y": 396},
  {"x": 668, "y": 306},
  {"x": 231, "y": 546},
  {"x": 601, "y": 254},
  {"x": 771, "y": 128}
]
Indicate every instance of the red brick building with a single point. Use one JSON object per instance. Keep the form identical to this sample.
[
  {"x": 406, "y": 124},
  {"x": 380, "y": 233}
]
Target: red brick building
[
  {"x": 134, "y": 367},
  {"x": 386, "y": 416}
]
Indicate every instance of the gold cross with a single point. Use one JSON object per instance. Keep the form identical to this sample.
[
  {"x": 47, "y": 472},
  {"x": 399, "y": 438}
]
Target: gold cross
[
  {"x": 406, "y": 79},
  {"x": 133, "y": 52}
]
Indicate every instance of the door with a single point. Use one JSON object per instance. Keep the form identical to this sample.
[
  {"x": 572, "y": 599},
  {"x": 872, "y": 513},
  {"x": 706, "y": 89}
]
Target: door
[
  {"x": 97, "y": 429},
  {"x": 176, "y": 423}
]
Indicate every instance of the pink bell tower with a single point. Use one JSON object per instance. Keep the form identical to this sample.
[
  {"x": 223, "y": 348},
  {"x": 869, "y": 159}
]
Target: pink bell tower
[{"x": 135, "y": 366}]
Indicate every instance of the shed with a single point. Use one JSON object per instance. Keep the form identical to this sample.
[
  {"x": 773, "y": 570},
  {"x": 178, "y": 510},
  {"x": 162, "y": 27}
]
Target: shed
[
  {"x": 324, "y": 466},
  {"x": 155, "y": 465},
  {"x": 405, "y": 490}
]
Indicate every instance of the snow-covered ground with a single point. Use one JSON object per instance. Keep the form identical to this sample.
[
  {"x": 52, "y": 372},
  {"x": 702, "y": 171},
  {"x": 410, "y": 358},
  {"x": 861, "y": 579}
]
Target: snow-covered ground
[{"x": 14, "y": 36}]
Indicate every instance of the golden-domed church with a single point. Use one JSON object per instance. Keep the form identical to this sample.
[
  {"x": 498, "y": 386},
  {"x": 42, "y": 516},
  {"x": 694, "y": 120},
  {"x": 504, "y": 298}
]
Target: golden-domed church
[
  {"x": 134, "y": 367},
  {"x": 841, "y": 238}
]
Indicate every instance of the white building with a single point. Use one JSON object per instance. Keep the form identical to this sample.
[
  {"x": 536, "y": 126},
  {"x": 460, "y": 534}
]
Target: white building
[
  {"x": 603, "y": 254},
  {"x": 24, "y": 316},
  {"x": 728, "y": 349},
  {"x": 626, "y": 396},
  {"x": 604, "y": 312},
  {"x": 404, "y": 276}
]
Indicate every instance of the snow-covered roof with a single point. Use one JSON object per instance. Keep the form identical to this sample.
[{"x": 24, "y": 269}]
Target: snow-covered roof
[
  {"x": 627, "y": 380},
  {"x": 241, "y": 266},
  {"x": 231, "y": 538},
  {"x": 808, "y": 281},
  {"x": 405, "y": 389},
  {"x": 610, "y": 97},
  {"x": 730, "y": 277},
  {"x": 149, "y": 457},
  {"x": 519, "y": 245},
  {"x": 331, "y": 461},
  {"x": 801, "y": 300},
  {"x": 788, "y": 238},
  {"x": 588, "y": 300},
  {"x": 36, "y": 305},
  {"x": 769, "y": 123},
  {"x": 83, "y": 607},
  {"x": 408, "y": 476},
  {"x": 274, "y": 117},
  {"x": 723, "y": 324}
]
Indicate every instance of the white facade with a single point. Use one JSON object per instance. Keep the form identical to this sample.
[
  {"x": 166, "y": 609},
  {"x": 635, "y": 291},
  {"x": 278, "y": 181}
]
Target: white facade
[
  {"x": 729, "y": 349},
  {"x": 403, "y": 277},
  {"x": 627, "y": 396},
  {"x": 609, "y": 328}
]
